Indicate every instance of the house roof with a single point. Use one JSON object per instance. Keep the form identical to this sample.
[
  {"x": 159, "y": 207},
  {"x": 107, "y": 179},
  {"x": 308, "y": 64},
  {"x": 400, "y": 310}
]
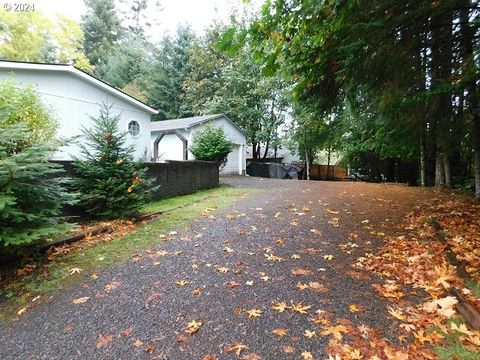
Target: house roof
[
  {"x": 186, "y": 123},
  {"x": 18, "y": 65}
]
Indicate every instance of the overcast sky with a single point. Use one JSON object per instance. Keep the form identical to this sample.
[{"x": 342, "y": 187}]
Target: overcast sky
[{"x": 198, "y": 13}]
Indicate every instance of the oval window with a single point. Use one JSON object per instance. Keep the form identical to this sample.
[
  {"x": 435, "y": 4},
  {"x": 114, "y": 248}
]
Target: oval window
[{"x": 133, "y": 128}]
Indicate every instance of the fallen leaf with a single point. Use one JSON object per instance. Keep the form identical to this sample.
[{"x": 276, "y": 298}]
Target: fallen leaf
[
  {"x": 232, "y": 284},
  {"x": 237, "y": 348},
  {"x": 22, "y": 310},
  {"x": 309, "y": 334},
  {"x": 210, "y": 357},
  {"x": 223, "y": 270},
  {"x": 81, "y": 300},
  {"x": 127, "y": 331},
  {"x": 302, "y": 272},
  {"x": 288, "y": 349},
  {"x": 150, "y": 349},
  {"x": 280, "y": 306},
  {"x": 301, "y": 308},
  {"x": 336, "y": 331},
  {"x": 306, "y": 355},
  {"x": 181, "y": 339},
  {"x": 104, "y": 340},
  {"x": 193, "y": 326},
  {"x": 138, "y": 344},
  {"x": 353, "y": 308},
  {"x": 75, "y": 271},
  {"x": 301, "y": 286},
  {"x": 112, "y": 286},
  {"x": 182, "y": 282},
  {"x": 197, "y": 292},
  {"x": 280, "y": 332},
  {"x": 254, "y": 313}
]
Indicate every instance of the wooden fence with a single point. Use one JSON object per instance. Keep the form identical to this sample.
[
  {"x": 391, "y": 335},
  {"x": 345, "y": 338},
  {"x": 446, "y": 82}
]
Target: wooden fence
[{"x": 319, "y": 172}]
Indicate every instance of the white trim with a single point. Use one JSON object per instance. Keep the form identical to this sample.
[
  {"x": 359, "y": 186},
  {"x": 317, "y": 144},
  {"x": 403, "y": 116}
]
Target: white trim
[{"x": 74, "y": 71}]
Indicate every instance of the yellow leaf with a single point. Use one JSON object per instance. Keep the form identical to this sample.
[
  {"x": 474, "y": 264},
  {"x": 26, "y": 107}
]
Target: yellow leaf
[
  {"x": 306, "y": 355},
  {"x": 309, "y": 334},
  {"x": 81, "y": 300},
  {"x": 336, "y": 331},
  {"x": 223, "y": 270},
  {"x": 280, "y": 306},
  {"x": 182, "y": 282},
  {"x": 353, "y": 308},
  {"x": 22, "y": 310},
  {"x": 193, "y": 326},
  {"x": 254, "y": 313},
  {"x": 301, "y": 286},
  {"x": 280, "y": 332},
  {"x": 300, "y": 308},
  {"x": 396, "y": 314},
  {"x": 75, "y": 271}
]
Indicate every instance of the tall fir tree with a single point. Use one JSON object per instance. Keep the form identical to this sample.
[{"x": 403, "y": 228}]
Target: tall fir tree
[
  {"x": 109, "y": 182},
  {"x": 102, "y": 29}
]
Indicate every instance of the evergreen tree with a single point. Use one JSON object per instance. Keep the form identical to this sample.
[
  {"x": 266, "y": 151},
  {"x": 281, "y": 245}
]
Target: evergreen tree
[
  {"x": 164, "y": 82},
  {"x": 32, "y": 189},
  {"x": 102, "y": 29},
  {"x": 109, "y": 182},
  {"x": 211, "y": 144}
]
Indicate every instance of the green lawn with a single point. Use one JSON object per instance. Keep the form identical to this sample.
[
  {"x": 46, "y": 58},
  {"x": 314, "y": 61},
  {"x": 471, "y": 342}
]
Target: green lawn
[{"x": 52, "y": 276}]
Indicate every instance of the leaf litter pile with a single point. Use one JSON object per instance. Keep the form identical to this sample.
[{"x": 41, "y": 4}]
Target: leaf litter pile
[{"x": 417, "y": 263}]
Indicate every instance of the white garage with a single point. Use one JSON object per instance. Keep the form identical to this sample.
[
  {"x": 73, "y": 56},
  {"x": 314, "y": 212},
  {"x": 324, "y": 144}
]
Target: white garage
[{"x": 171, "y": 140}]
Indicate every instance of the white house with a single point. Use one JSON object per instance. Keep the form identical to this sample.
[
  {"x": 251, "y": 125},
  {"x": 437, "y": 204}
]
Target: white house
[
  {"x": 74, "y": 96},
  {"x": 171, "y": 140}
]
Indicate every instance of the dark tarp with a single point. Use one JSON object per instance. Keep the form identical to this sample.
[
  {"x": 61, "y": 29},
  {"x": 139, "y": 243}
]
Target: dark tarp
[{"x": 272, "y": 170}]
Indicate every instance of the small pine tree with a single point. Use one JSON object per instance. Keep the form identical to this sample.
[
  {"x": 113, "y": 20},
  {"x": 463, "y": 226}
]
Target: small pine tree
[
  {"x": 110, "y": 183},
  {"x": 32, "y": 191},
  {"x": 211, "y": 144}
]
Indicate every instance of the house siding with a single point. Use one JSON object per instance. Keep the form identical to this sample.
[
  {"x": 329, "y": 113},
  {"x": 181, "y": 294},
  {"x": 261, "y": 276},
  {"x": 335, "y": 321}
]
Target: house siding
[
  {"x": 170, "y": 147},
  {"x": 73, "y": 100}
]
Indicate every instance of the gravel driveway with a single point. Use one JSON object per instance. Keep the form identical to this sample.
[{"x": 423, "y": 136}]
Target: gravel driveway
[{"x": 287, "y": 243}]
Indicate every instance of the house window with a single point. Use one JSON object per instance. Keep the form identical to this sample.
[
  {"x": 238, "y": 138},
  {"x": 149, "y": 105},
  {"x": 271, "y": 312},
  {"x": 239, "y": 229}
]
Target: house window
[{"x": 133, "y": 128}]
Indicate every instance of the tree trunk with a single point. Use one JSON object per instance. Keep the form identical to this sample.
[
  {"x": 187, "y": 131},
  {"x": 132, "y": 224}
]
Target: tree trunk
[
  {"x": 267, "y": 145},
  {"x": 476, "y": 167},
  {"x": 448, "y": 171},
  {"x": 441, "y": 103},
  {"x": 439, "y": 170},
  {"x": 423, "y": 158},
  {"x": 329, "y": 155},
  {"x": 470, "y": 71},
  {"x": 307, "y": 165}
]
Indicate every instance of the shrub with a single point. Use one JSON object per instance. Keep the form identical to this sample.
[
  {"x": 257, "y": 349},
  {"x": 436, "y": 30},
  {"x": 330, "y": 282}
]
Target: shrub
[
  {"x": 109, "y": 182},
  {"x": 211, "y": 144},
  {"x": 22, "y": 104},
  {"x": 32, "y": 191}
]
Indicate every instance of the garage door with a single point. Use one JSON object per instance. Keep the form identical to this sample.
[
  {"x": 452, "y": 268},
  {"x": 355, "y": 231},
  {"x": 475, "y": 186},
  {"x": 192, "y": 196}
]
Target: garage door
[{"x": 232, "y": 161}]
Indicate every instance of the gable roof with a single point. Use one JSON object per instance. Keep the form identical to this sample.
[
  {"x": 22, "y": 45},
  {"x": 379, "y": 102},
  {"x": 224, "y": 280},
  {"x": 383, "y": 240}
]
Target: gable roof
[
  {"x": 19, "y": 65},
  {"x": 186, "y": 123}
]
